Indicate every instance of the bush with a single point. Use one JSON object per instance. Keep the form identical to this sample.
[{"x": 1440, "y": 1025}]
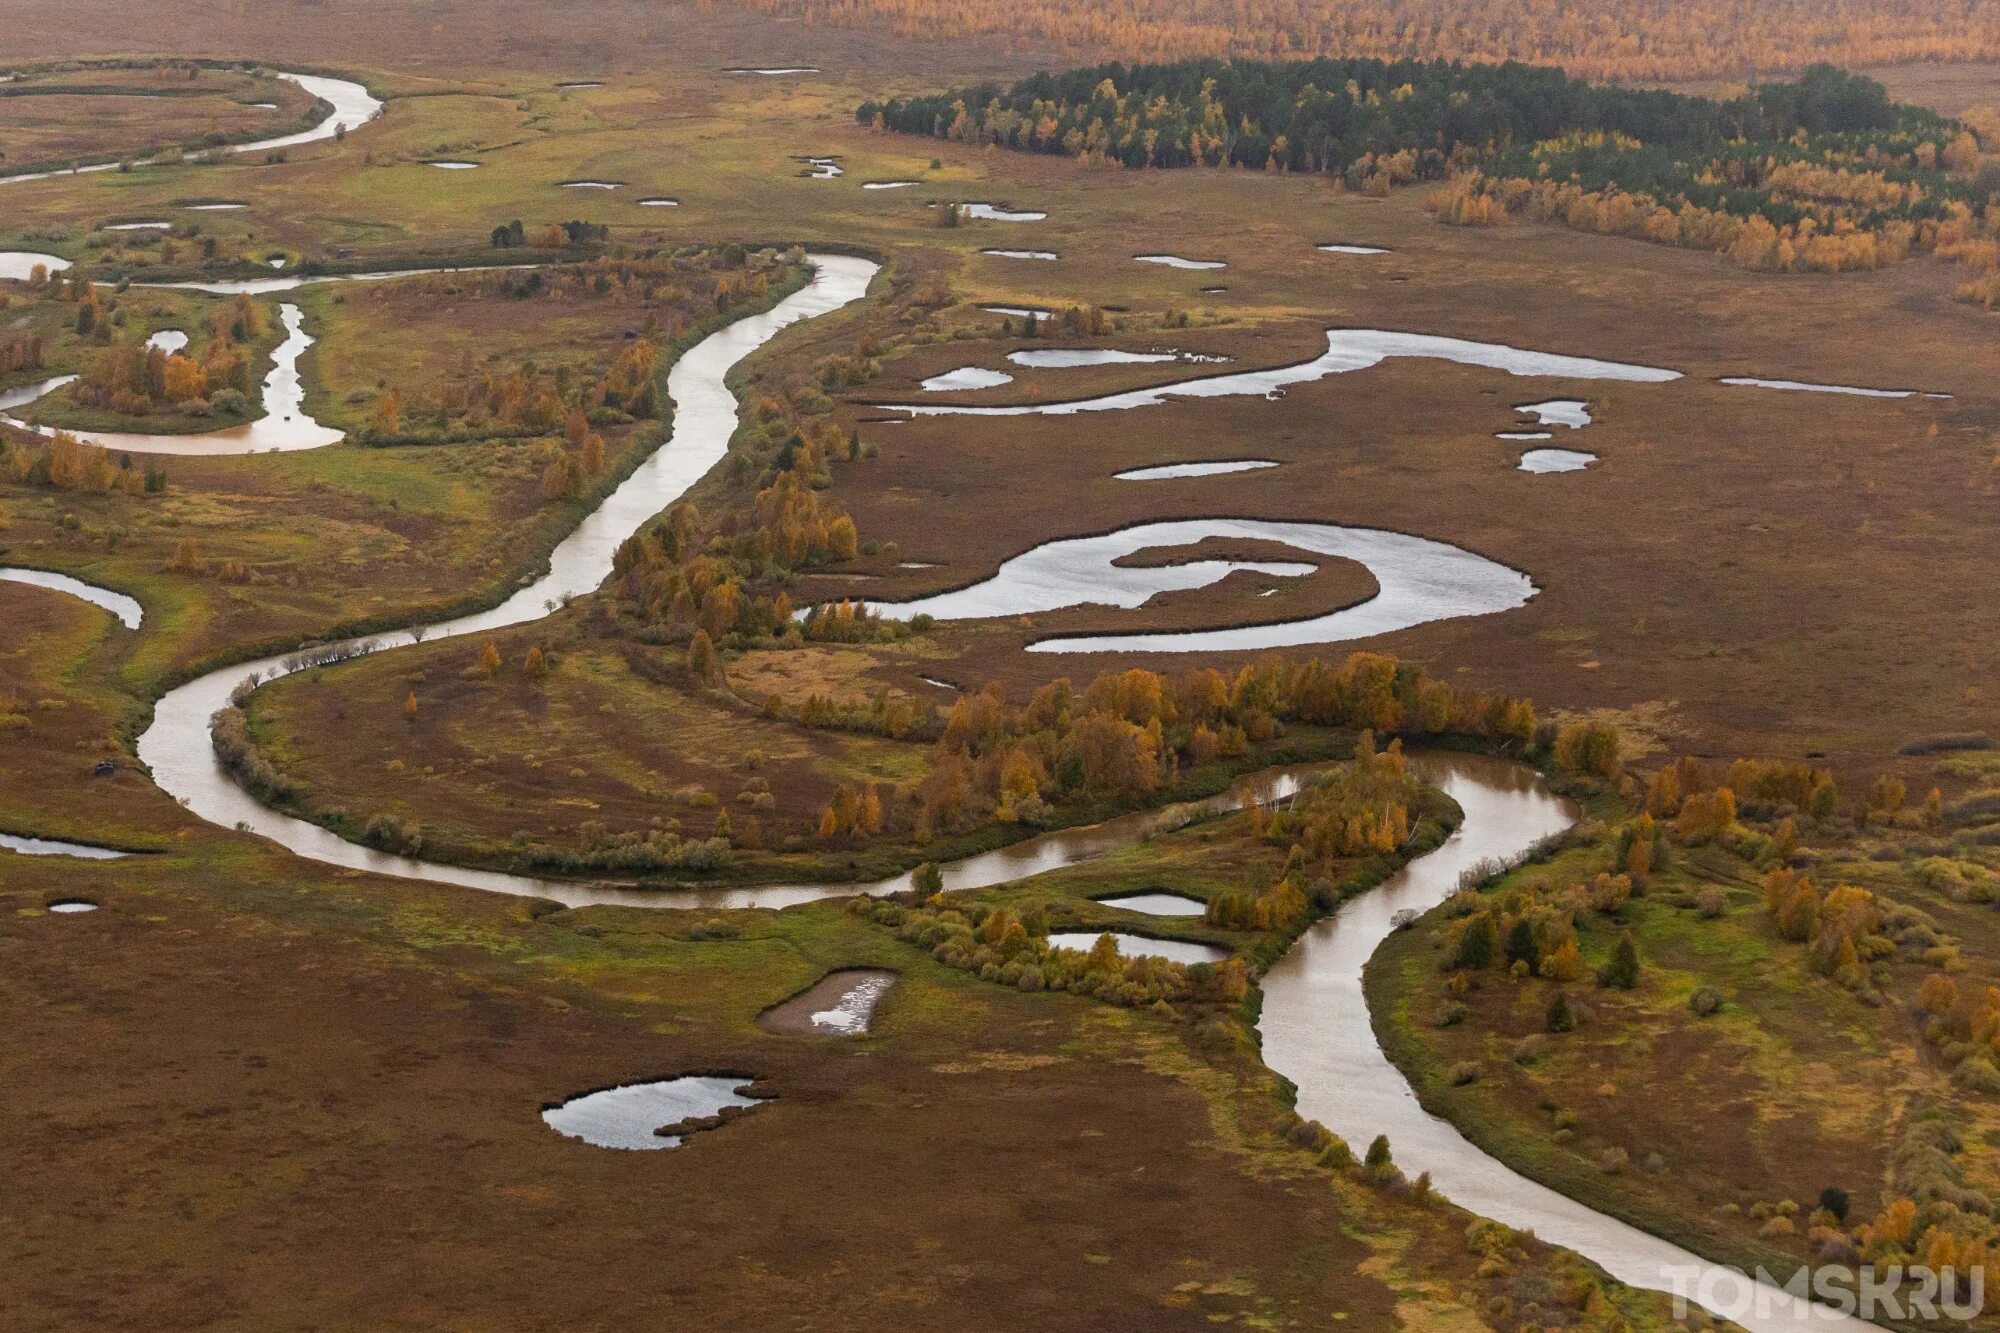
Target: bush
[
  {"x": 1559, "y": 1018},
  {"x": 1705, "y": 1001},
  {"x": 1464, "y": 1072},
  {"x": 1623, "y": 969},
  {"x": 1976, "y": 1073}
]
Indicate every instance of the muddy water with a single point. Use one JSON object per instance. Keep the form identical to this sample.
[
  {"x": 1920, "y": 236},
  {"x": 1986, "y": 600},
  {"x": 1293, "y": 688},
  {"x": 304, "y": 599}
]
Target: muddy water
[
  {"x": 1317, "y": 1032},
  {"x": 127, "y": 609},
  {"x": 1419, "y": 581},
  {"x": 839, "y": 1004}
]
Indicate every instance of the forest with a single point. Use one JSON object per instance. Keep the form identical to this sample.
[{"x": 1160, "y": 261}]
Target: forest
[
  {"x": 1822, "y": 171},
  {"x": 1605, "y": 39}
]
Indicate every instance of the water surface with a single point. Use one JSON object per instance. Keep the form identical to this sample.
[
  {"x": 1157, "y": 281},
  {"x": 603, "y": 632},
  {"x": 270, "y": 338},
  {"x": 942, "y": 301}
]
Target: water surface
[
  {"x": 1317, "y": 1032},
  {"x": 1556, "y": 460},
  {"x": 1168, "y": 471},
  {"x": 1571, "y": 412},
  {"x": 83, "y": 851},
  {"x": 1419, "y": 581},
  {"x": 839, "y": 1004},
  {"x": 127, "y": 609},
  {"x": 966, "y": 377},
  {"x": 1347, "y": 350},
  {"x": 1140, "y": 946},
  {"x": 629, "y": 1117},
  {"x": 1177, "y": 261},
  {"x": 1157, "y": 904}
]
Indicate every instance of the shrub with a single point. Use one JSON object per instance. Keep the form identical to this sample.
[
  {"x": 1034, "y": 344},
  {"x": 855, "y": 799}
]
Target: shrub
[
  {"x": 1623, "y": 969},
  {"x": 1976, "y": 1073},
  {"x": 1705, "y": 1001},
  {"x": 1559, "y": 1018},
  {"x": 1464, "y": 1072}
]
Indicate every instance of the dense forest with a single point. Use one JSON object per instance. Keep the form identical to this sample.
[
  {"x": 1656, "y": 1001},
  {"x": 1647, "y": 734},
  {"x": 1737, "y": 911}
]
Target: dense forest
[
  {"x": 1619, "y": 39},
  {"x": 1823, "y": 171}
]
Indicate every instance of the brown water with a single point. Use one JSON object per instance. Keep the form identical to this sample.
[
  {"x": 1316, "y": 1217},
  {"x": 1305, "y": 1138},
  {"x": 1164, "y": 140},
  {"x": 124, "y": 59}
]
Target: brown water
[{"x": 839, "y": 1004}]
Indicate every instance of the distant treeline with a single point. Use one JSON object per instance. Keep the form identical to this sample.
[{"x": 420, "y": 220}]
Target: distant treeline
[
  {"x": 1329, "y": 115},
  {"x": 1820, "y": 157}
]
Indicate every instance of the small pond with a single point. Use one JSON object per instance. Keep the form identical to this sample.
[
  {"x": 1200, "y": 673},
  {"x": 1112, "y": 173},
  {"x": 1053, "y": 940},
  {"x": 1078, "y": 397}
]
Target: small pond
[
  {"x": 632, "y": 1116},
  {"x": 967, "y": 377},
  {"x": 839, "y": 1004},
  {"x": 56, "y": 847},
  {"x": 1140, "y": 946},
  {"x": 1178, "y": 261},
  {"x": 1556, "y": 460},
  {"x": 1157, "y": 903},
  {"x": 1169, "y": 471}
]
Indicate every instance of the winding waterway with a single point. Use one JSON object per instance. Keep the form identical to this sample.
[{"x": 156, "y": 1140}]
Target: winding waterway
[
  {"x": 1315, "y": 1022},
  {"x": 177, "y": 746},
  {"x": 1317, "y": 1032},
  {"x": 1347, "y": 350},
  {"x": 1419, "y": 581},
  {"x": 352, "y": 105}
]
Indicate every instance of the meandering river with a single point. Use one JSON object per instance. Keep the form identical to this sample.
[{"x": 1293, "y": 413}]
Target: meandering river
[{"x": 1315, "y": 1022}]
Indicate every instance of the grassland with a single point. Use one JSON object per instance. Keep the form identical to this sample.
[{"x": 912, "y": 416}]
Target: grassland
[
  {"x": 67, "y": 115},
  {"x": 344, "y": 1133},
  {"x": 1717, "y": 1100}
]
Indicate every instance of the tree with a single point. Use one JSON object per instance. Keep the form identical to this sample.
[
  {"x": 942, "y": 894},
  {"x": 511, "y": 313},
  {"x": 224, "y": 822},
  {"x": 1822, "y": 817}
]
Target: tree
[
  {"x": 410, "y": 707},
  {"x": 489, "y": 657},
  {"x": 1834, "y": 1200},
  {"x": 534, "y": 666},
  {"x": 927, "y": 879},
  {"x": 1560, "y": 1018},
  {"x": 1478, "y": 943},
  {"x": 1623, "y": 969},
  {"x": 701, "y": 659},
  {"x": 1378, "y": 1153}
]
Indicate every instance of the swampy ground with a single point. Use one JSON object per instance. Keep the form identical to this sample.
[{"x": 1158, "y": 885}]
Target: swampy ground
[{"x": 262, "y": 1093}]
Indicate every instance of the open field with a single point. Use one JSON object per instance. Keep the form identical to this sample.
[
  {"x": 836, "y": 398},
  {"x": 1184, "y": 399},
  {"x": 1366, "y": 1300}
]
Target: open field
[
  {"x": 345, "y": 1133},
  {"x": 61, "y": 116}
]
